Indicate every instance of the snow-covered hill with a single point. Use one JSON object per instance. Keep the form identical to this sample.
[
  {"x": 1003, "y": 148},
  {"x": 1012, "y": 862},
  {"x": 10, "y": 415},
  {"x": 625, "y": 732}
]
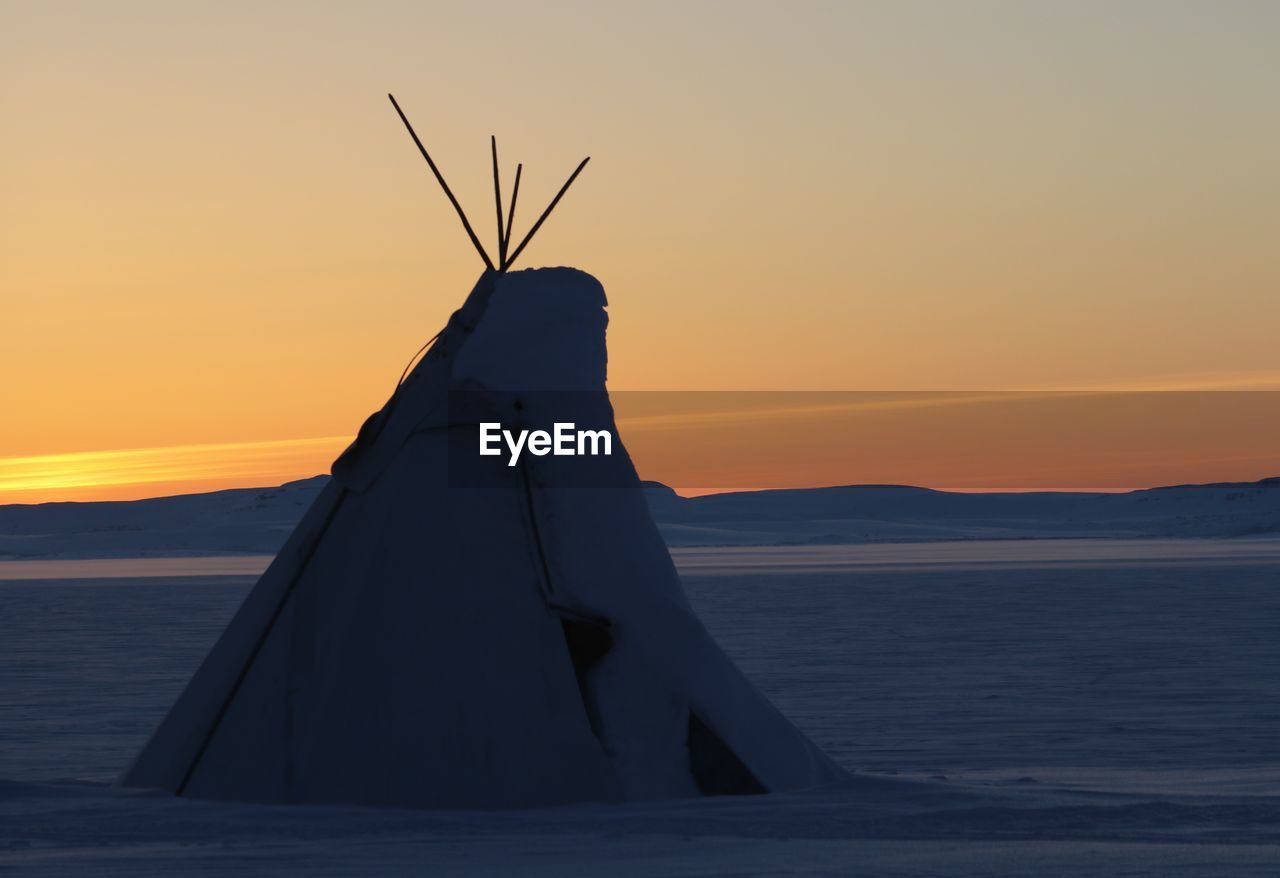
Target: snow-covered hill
[
  {"x": 250, "y": 520},
  {"x": 896, "y": 513},
  {"x": 257, "y": 520}
]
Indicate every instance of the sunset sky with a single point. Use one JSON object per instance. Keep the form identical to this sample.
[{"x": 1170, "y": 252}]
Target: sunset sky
[{"x": 218, "y": 248}]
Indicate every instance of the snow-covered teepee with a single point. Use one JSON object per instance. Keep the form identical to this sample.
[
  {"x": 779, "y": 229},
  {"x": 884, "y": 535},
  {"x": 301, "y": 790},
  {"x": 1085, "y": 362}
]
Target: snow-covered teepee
[{"x": 442, "y": 634}]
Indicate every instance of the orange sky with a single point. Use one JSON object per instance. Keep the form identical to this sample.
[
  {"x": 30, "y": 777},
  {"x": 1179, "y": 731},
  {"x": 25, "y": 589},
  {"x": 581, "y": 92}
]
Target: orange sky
[{"x": 214, "y": 233}]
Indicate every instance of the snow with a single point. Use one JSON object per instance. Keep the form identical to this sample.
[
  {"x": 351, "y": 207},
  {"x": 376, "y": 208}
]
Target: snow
[{"x": 1072, "y": 713}]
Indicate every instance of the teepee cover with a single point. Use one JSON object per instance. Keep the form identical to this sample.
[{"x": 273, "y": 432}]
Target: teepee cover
[{"x": 440, "y": 631}]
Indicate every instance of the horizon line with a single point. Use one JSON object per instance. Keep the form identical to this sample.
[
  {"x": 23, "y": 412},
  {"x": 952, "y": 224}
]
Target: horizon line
[{"x": 690, "y": 492}]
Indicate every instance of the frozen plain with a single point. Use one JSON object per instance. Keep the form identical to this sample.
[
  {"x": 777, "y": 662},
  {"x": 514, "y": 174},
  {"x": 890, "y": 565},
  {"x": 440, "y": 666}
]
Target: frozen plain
[{"x": 1030, "y": 707}]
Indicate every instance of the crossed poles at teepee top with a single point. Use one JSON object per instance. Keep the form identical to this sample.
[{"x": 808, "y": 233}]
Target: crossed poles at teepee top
[{"x": 504, "y": 229}]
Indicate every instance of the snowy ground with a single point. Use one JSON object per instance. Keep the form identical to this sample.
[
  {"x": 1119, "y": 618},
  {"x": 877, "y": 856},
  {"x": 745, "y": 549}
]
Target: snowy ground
[{"x": 1039, "y": 707}]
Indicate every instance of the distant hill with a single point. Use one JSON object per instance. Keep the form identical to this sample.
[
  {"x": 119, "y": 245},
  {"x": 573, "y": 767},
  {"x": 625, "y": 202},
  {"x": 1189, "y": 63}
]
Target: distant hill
[
  {"x": 242, "y": 520},
  {"x": 897, "y": 513},
  {"x": 257, "y": 520}
]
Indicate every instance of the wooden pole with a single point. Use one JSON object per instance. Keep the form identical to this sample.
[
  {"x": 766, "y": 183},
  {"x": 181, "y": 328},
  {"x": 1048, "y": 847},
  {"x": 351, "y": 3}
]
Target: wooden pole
[
  {"x": 511, "y": 216},
  {"x": 550, "y": 207},
  {"x": 445, "y": 186},
  {"x": 497, "y": 198}
]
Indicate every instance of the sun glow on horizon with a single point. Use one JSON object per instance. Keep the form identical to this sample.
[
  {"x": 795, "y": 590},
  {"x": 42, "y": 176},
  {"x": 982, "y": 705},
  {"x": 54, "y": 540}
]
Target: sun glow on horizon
[
  {"x": 712, "y": 442},
  {"x": 136, "y": 473}
]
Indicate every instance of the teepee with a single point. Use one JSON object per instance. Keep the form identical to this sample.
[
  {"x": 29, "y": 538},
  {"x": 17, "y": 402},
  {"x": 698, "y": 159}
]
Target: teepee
[{"x": 438, "y": 633}]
